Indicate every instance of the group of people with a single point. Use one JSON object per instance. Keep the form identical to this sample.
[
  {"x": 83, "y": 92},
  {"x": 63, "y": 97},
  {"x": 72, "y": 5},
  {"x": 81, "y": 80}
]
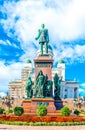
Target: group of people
[{"x": 43, "y": 87}]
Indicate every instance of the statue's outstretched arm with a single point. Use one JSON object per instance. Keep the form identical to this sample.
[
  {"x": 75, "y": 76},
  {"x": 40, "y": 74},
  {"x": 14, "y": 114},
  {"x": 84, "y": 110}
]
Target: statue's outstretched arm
[{"x": 39, "y": 33}]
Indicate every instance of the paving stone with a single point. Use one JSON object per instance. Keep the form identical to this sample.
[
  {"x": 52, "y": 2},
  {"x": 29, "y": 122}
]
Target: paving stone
[{"x": 11, "y": 127}]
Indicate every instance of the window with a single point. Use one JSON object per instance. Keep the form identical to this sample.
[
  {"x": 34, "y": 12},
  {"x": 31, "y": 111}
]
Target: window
[
  {"x": 65, "y": 96},
  {"x": 65, "y": 90}
]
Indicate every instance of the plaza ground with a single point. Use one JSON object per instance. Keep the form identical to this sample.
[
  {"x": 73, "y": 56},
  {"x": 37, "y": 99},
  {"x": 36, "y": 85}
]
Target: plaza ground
[{"x": 11, "y": 127}]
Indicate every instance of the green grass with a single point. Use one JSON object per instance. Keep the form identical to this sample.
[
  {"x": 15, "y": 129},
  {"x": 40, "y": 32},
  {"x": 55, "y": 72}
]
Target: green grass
[{"x": 42, "y": 123}]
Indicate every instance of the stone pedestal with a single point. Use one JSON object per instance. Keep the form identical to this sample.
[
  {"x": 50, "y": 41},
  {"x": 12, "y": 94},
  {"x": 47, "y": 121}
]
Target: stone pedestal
[
  {"x": 58, "y": 104},
  {"x": 30, "y": 106},
  {"x": 26, "y": 104},
  {"x": 44, "y": 63},
  {"x": 48, "y": 102}
]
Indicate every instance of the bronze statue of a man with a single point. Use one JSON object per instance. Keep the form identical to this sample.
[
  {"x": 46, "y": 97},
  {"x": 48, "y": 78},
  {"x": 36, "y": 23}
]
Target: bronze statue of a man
[{"x": 43, "y": 38}]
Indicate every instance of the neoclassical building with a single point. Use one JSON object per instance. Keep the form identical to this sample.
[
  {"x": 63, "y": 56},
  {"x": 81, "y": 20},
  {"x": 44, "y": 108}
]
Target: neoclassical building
[{"x": 69, "y": 88}]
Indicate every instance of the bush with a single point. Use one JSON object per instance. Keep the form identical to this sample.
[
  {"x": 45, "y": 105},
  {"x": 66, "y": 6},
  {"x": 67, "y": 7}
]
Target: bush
[
  {"x": 65, "y": 111},
  {"x": 9, "y": 111},
  {"x": 83, "y": 112},
  {"x": 1, "y": 110},
  {"x": 41, "y": 110},
  {"x": 76, "y": 112},
  {"x": 18, "y": 111}
]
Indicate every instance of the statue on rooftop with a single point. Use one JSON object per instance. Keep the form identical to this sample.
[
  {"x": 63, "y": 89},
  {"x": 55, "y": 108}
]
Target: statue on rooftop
[
  {"x": 43, "y": 38},
  {"x": 28, "y": 88},
  {"x": 57, "y": 85}
]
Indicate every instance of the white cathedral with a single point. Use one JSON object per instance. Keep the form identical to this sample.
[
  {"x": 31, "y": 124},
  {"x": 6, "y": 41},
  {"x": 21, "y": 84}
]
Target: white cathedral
[{"x": 69, "y": 88}]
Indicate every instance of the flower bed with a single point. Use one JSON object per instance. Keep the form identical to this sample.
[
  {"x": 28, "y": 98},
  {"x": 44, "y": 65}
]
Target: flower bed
[{"x": 26, "y": 118}]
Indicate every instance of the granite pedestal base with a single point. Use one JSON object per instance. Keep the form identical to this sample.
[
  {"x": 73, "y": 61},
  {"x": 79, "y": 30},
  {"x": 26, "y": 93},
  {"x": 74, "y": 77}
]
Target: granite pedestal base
[{"x": 30, "y": 106}]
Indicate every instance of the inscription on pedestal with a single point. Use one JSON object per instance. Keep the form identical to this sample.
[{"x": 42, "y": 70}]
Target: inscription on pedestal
[{"x": 43, "y": 103}]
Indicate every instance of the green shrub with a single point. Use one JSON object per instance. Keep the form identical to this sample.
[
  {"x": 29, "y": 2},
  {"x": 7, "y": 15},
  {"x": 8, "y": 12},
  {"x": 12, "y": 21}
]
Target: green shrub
[
  {"x": 1, "y": 110},
  {"x": 83, "y": 112},
  {"x": 65, "y": 111},
  {"x": 18, "y": 111},
  {"x": 9, "y": 111},
  {"x": 41, "y": 110},
  {"x": 76, "y": 112}
]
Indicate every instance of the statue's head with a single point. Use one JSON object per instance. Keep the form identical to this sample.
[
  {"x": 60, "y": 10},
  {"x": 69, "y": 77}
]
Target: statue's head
[
  {"x": 43, "y": 25},
  {"x": 29, "y": 78},
  {"x": 56, "y": 76},
  {"x": 40, "y": 72}
]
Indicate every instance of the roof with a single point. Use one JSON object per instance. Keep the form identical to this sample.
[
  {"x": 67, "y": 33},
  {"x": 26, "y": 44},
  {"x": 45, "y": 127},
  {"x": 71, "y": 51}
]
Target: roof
[
  {"x": 61, "y": 61},
  {"x": 28, "y": 61},
  {"x": 71, "y": 82},
  {"x": 15, "y": 81}
]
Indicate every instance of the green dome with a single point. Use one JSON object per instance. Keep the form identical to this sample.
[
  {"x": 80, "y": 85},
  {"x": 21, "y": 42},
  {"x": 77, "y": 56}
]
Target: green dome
[
  {"x": 28, "y": 61},
  {"x": 61, "y": 61}
]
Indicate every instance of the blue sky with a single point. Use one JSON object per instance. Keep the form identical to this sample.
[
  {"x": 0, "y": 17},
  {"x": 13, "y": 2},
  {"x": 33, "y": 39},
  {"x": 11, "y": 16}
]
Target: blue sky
[{"x": 19, "y": 22}]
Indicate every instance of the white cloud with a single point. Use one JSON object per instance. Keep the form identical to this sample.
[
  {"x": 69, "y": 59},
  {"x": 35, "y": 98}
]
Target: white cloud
[
  {"x": 64, "y": 19},
  {"x": 83, "y": 84},
  {"x": 7, "y": 42},
  {"x": 76, "y": 52},
  {"x": 2, "y": 94},
  {"x": 29, "y": 53},
  {"x": 80, "y": 50},
  {"x": 2, "y": 42},
  {"x": 8, "y": 73},
  {"x": 81, "y": 90}
]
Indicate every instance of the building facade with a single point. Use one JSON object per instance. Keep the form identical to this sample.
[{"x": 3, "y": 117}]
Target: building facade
[{"x": 69, "y": 89}]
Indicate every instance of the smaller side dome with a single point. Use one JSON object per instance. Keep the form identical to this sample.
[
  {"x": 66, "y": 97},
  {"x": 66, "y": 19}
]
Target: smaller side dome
[
  {"x": 61, "y": 61},
  {"x": 28, "y": 61}
]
